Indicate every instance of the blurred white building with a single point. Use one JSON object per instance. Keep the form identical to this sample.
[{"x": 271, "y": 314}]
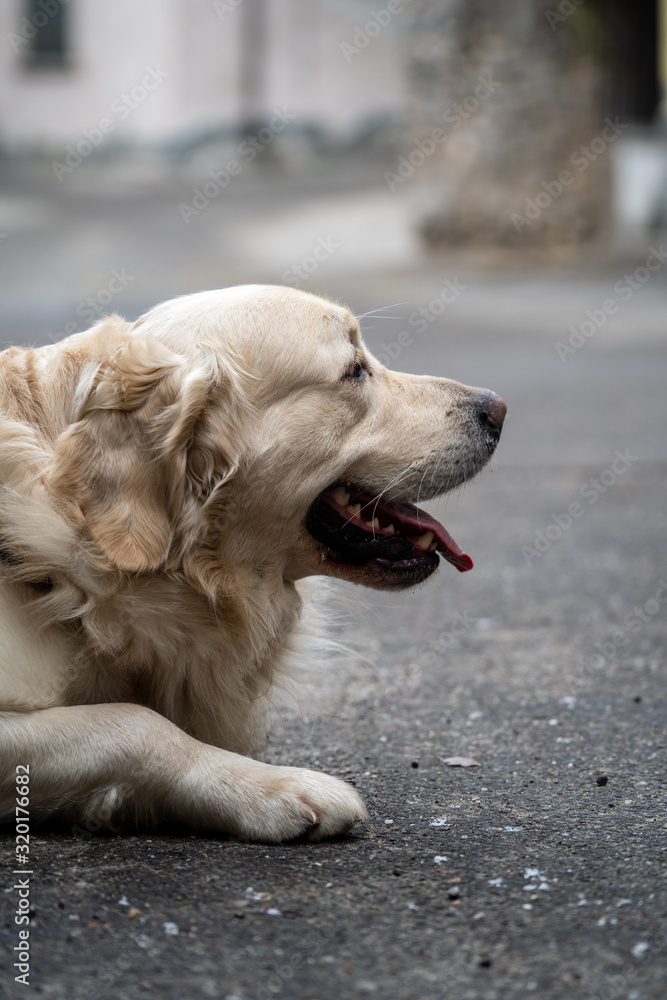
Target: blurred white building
[{"x": 158, "y": 72}]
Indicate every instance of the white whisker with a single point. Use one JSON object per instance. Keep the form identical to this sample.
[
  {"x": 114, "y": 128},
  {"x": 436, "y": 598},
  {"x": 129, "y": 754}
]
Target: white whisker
[
  {"x": 375, "y": 312},
  {"x": 376, "y": 499}
]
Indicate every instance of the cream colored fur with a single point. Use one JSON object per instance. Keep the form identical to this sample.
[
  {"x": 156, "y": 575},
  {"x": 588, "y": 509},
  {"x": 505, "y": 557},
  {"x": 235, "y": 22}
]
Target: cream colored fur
[{"x": 154, "y": 481}]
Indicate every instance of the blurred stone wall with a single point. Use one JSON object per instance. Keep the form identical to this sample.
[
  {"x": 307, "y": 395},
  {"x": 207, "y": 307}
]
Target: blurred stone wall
[{"x": 508, "y": 144}]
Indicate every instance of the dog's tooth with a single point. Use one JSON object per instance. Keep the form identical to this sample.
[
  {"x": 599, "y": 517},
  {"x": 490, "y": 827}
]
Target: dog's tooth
[
  {"x": 390, "y": 529},
  {"x": 424, "y": 540},
  {"x": 354, "y": 509},
  {"x": 340, "y": 495},
  {"x": 375, "y": 524}
]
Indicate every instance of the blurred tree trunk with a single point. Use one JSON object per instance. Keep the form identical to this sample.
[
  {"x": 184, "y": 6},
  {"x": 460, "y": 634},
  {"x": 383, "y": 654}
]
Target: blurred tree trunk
[{"x": 516, "y": 95}]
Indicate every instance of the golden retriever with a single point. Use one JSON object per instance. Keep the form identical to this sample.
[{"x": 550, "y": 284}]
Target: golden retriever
[{"x": 164, "y": 485}]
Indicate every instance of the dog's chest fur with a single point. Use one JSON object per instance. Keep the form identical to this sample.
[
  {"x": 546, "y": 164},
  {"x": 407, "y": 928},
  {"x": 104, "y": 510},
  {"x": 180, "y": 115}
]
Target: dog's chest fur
[{"x": 157, "y": 642}]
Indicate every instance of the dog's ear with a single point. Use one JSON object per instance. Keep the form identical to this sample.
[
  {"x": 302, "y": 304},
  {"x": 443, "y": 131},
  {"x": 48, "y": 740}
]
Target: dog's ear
[{"x": 124, "y": 460}]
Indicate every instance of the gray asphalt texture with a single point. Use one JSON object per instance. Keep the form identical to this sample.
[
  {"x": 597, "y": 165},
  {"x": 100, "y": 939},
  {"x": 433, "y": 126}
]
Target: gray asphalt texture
[{"x": 541, "y": 871}]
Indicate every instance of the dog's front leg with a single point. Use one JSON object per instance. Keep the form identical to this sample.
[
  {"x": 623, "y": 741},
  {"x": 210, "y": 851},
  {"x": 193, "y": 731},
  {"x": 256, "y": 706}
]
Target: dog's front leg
[{"x": 120, "y": 765}]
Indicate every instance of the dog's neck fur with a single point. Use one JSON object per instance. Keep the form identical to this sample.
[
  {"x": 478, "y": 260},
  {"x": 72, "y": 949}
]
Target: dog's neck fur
[
  {"x": 27, "y": 377},
  {"x": 176, "y": 667}
]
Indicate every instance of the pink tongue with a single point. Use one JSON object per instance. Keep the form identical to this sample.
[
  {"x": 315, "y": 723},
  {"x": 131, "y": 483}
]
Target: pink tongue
[{"x": 452, "y": 552}]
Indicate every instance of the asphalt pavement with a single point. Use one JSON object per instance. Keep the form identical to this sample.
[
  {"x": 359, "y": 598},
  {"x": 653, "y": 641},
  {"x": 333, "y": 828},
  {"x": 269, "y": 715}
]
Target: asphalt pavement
[{"x": 539, "y": 869}]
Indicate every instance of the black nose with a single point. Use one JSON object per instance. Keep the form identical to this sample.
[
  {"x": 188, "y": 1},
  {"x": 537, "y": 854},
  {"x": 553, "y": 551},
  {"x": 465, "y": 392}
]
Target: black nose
[{"x": 492, "y": 412}]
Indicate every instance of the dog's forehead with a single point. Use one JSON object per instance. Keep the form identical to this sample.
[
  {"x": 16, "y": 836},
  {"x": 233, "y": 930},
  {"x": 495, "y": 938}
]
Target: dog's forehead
[
  {"x": 260, "y": 313},
  {"x": 291, "y": 313}
]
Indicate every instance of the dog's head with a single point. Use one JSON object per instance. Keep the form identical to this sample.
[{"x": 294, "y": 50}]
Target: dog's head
[{"x": 252, "y": 427}]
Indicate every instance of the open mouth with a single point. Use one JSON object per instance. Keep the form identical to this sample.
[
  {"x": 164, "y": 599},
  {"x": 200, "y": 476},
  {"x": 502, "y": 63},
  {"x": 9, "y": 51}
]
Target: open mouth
[{"x": 394, "y": 541}]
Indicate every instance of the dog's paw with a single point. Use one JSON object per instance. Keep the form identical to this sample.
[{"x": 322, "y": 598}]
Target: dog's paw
[{"x": 293, "y": 801}]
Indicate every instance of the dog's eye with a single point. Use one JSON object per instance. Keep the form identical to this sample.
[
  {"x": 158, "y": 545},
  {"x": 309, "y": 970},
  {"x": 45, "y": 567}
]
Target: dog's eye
[{"x": 357, "y": 371}]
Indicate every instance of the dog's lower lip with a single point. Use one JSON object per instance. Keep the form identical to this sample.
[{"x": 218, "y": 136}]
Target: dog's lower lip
[{"x": 359, "y": 527}]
